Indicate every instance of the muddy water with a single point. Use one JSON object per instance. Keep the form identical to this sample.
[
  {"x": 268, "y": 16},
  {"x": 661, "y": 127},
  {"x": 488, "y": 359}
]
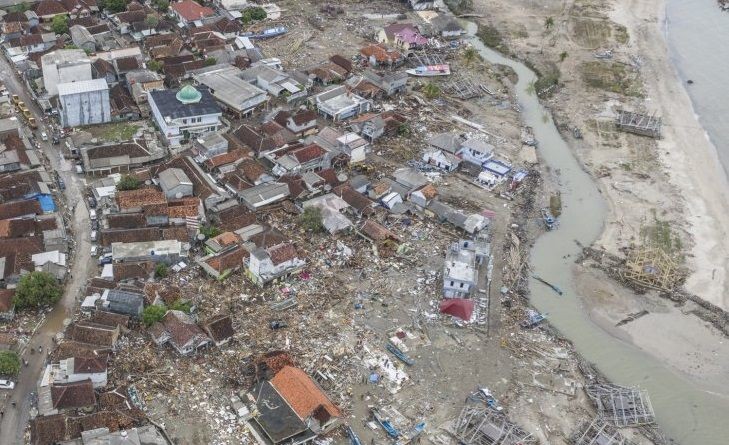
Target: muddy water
[{"x": 686, "y": 411}]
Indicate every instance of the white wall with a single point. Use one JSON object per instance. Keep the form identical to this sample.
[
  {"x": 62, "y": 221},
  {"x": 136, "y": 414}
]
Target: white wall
[{"x": 53, "y": 75}]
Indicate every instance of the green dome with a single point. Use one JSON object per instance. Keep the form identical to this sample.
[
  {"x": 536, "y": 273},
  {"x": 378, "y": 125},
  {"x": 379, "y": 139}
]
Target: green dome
[{"x": 188, "y": 95}]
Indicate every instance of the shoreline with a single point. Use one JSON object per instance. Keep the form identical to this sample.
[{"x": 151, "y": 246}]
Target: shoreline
[{"x": 691, "y": 159}]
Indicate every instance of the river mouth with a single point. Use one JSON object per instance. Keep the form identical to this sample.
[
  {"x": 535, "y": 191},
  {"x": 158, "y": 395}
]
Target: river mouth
[{"x": 685, "y": 410}]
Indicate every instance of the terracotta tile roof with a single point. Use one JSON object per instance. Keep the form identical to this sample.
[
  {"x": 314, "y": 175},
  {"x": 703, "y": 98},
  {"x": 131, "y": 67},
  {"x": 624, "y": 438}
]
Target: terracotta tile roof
[
  {"x": 381, "y": 54},
  {"x": 180, "y": 327},
  {"x": 308, "y": 153},
  {"x": 296, "y": 184},
  {"x": 110, "y": 319},
  {"x": 330, "y": 176},
  {"x": 199, "y": 185},
  {"x": 377, "y": 232},
  {"x": 168, "y": 294},
  {"x": 268, "y": 238},
  {"x": 185, "y": 207},
  {"x": 125, "y": 220},
  {"x": 101, "y": 283},
  {"x": 232, "y": 259},
  {"x": 19, "y": 208},
  {"x": 304, "y": 117},
  {"x": 258, "y": 141},
  {"x": 47, "y": 430},
  {"x": 15, "y": 17},
  {"x": 179, "y": 233},
  {"x": 429, "y": 191},
  {"x": 73, "y": 395},
  {"x": 124, "y": 64},
  {"x": 129, "y": 235},
  {"x": 131, "y": 16},
  {"x": 252, "y": 169},
  {"x": 226, "y": 26},
  {"x": 18, "y": 252},
  {"x": 83, "y": 21},
  {"x": 49, "y": 7},
  {"x": 235, "y": 218},
  {"x": 225, "y": 158},
  {"x": 281, "y": 253},
  {"x": 31, "y": 39},
  {"x": 354, "y": 198},
  {"x": 6, "y": 299},
  {"x": 159, "y": 40},
  {"x": 219, "y": 328},
  {"x": 129, "y": 271},
  {"x": 129, "y": 199},
  {"x": 190, "y": 10},
  {"x": 68, "y": 349},
  {"x": 92, "y": 334},
  {"x": 302, "y": 394},
  {"x": 226, "y": 239},
  {"x": 16, "y": 228},
  {"x": 342, "y": 61},
  {"x": 88, "y": 365}
]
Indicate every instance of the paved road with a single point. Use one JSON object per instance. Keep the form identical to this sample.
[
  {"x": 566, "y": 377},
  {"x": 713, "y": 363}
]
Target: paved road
[{"x": 14, "y": 420}]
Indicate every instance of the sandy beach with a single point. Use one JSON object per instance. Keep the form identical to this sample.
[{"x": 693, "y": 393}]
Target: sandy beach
[{"x": 690, "y": 159}]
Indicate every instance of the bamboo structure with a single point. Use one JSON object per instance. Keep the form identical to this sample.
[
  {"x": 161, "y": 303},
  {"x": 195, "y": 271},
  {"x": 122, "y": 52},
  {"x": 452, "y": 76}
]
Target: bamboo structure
[
  {"x": 640, "y": 124},
  {"x": 598, "y": 432},
  {"x": 622, "y": 406},
  {"x": 652, "y": 268},
  {"x": 479, "y": 425}
]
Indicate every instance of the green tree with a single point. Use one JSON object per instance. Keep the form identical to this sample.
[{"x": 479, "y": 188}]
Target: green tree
[
  {"x": 151, "y": 20},
  {"x": 162, "y": 5},
  {"x": 152, "y": 314},
  {"x": 128, "y": 182},
  {"x": 183, "y": 306},
  {"x": 112, "y": 6},
  {"x": 258, "y": 13},
  {"x": 161, "y": 270},
  {"x": 59, "y": 24},
  {"x": 9, "y": 363},
  {"x": 155, "y": 65},
  {"x": 562, "y": 56},
  {"x": 210, "y": 61},
  {"x": 311, "y": 220},
  {"x": 431, "y": 90},
  {"x": 20, "y": 7},
  {"x": 210, "y": 231},
  {"x": 549, "y": 23},
  {"x": 37, "y": 289},
  {"x": 470, "y": 55}
]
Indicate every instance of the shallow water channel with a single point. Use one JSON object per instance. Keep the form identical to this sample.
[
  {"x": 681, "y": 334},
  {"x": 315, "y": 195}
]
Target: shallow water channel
[{"x": 686, "y": 411}]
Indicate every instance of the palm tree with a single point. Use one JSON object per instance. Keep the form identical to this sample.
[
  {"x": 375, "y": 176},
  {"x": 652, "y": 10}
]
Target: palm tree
[
  {"x": 469, "y": 55},
  {"x": 431, "y": 90},
  {"x": 549, "y": 22}
]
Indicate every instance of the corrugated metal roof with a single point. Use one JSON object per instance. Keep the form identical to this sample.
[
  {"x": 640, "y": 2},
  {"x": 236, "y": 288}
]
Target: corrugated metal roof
[{"x": 82, "y": 86}]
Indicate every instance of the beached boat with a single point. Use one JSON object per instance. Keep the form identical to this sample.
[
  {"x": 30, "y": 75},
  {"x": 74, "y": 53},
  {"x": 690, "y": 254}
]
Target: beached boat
[
  {"x": 431, "y": 70},
  {"x": 550, "y": 222},
  {"x": 527, "y": 136},
  {"x": 270, "y": 32}
]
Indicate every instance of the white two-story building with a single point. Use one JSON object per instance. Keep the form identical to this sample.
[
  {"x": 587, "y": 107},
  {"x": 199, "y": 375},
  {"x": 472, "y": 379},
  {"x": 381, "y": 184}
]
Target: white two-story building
[{"x": 185, "y": 114}]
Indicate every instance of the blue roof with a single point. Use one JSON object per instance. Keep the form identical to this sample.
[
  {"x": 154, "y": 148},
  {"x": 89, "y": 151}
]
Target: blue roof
[{"x": 46, "y": 203}]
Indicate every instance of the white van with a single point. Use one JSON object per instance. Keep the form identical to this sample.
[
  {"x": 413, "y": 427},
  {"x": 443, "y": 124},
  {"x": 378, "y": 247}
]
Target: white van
[
  {"x": 92, "y": 214},
  {"x": 94, "y": 235}
]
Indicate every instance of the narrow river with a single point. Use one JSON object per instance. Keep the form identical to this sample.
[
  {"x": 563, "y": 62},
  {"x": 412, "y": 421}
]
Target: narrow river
[{"x": 688, "y": 413}]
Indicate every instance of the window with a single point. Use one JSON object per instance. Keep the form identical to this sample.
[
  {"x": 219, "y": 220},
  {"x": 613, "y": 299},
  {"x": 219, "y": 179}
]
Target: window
[
  {"x": 461, "y": 285},
  {"x": 184, "y": 121},
  {"x": 453, "y": 283}
]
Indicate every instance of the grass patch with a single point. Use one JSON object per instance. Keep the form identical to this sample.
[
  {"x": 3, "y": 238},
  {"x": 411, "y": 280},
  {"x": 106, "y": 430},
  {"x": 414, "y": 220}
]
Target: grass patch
[
  {"x": 459, "y": 6},
  {"x": 611, "y": 76},
  {"x": 547, "y": 79},
  {"x": 660, "y": 234},
  {"x": 621, "y": 35},
  {"x": 590, "y": 33},
  {"x": 120, "y": 131},
  {"x": 491, "y": 37}
]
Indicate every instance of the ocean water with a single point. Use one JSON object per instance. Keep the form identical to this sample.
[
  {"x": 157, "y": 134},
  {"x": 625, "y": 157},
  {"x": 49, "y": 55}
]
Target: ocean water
[{"x": 697, "y": 32}]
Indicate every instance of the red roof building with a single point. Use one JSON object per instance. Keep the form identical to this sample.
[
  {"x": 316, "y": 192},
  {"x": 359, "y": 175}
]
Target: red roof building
[{"x": 189, "y": 11}]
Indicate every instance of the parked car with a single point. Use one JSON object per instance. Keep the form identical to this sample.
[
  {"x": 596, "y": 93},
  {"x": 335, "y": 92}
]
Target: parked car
[
  {"x": 94, "y": 250},
  {"x": 44, "y": 136},
  {"x": 92, "y": 203},
  {"x": 7, "y": 384},
  {"x": 105, "y": 259},
  {"x": 56, "y": 140},
  {"x": 94, "y": 235},
  {"x": 92, "y": 213},
  {"x": 61, "y": 184},
  {"x": 79, "y": 169},
  {"x": 95, "y": 224}
]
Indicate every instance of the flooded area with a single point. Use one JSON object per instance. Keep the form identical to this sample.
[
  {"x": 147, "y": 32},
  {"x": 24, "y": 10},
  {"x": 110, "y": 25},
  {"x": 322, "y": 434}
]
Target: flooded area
[{"x": 685, "y": 410}]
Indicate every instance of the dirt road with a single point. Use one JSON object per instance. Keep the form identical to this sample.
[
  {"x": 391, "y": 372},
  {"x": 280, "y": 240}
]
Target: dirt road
[{"x": 74, "y": 210}]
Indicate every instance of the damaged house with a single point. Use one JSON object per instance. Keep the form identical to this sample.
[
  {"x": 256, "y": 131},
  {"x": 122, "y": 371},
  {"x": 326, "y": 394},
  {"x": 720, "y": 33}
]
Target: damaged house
[
  {"x": 180, "y": 331},
  {"x": 292, "y": 408},
  {"x": 267, "y": 264}
]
